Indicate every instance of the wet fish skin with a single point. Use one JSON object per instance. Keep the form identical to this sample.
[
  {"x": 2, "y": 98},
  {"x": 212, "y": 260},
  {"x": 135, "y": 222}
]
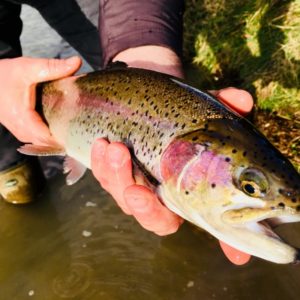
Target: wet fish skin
[{"x": 205, "y": 157}]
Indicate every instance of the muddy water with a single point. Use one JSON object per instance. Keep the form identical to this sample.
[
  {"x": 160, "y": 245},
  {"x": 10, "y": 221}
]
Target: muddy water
[{"x": 74, "y": 243}]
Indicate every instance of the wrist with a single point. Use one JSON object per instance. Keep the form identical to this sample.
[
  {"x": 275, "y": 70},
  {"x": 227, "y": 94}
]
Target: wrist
[{"x": 156, "y": 58}]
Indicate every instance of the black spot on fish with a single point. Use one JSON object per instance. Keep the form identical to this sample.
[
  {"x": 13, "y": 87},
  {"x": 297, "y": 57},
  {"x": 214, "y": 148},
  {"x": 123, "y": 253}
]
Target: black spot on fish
[
  {"x": 194, "y": 121},
  {"x": 183, "y": 125},
  {"x": 298, "y": 208},
  {"x": 234, "y": 151},
  {"x": 213, "y": 185},
  {"x": 227, "y": 159},
  {"x": 294, "y": 200},
  {"x": 187, "y": 192},
  {"x": 244, "y": 153},
  {"x": 281, "y": 205},
  {"x": 195, "y": 138}
]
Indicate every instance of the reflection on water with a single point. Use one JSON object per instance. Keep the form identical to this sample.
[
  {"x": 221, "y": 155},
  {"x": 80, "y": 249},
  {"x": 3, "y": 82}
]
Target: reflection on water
[{"x": 74, "y": 243}]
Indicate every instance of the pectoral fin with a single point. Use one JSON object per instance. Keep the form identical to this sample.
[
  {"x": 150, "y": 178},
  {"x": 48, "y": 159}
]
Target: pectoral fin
[
  {"x": 74, "y": 169},
  {"x": 30, "y": 149}
]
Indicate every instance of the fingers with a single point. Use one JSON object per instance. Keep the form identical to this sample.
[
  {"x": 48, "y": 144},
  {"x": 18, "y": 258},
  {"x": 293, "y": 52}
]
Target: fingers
[
  {"x": 235, "y": 256},
  {"x": 239, "y": 100},
  {"x": 150, "y": 212},
  {"x": 39, "y": 132},
  {"x": 44, "y": 69},
  {"x": 20, "y": 76},
  {"x": 111, "y": 165}
]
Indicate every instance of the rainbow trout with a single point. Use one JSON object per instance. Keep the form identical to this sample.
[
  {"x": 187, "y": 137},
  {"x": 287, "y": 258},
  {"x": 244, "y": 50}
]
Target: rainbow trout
[{"x": 207, "y": 163}]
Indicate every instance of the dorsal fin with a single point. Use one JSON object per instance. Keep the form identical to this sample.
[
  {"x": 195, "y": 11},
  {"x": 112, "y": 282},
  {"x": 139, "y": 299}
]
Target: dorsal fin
[{"x": 117, "y": 65}]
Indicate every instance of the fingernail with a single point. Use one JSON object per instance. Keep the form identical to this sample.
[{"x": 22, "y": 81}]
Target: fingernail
[
  {"x": 117, "y": 157},
  {"x": 72, "y": 62}
]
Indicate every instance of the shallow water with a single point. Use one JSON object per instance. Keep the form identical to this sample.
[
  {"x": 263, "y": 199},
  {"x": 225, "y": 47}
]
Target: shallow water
[{"x": 74, "y": 243}]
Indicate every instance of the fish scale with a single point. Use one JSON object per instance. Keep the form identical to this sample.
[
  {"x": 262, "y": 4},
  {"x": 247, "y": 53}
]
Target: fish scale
[
  {"x": 153, "y": 114},
  {"x": 208, "y": 164}
]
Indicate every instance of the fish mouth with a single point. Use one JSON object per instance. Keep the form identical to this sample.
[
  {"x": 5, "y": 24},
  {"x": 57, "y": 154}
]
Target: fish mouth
[
  {"x": 267, "y": 227},
  {"x": 261, "y": 222}
]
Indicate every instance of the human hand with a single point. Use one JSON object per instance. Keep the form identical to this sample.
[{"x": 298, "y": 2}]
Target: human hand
[
  {"x": 111, "y": 165},
  {"x": 18, "y": 77}
]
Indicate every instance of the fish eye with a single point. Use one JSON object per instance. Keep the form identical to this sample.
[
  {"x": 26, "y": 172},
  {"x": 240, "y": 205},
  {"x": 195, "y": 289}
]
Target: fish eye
[
  {"x": 253, "y": 182},
  {"x": 251, "y": 188}
]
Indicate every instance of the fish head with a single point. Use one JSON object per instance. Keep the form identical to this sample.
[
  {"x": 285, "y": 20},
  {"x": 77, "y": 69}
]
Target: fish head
[{"x": 229, "y": 180}]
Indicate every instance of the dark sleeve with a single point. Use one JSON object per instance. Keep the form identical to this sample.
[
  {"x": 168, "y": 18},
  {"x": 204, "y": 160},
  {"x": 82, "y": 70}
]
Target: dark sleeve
[
  {"x": 67, "y": 18},
  {"x": 133, "y": 23},
  {"x": 10, "y": 29}
]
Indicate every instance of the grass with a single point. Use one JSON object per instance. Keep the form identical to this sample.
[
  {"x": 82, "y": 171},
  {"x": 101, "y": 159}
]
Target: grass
[
  {"x": 251, "y": 44},
  {"x": 254, "y": 45}
]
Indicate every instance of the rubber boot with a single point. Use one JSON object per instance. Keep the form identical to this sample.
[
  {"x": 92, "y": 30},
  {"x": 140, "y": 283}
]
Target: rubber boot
[{"x": 21, "y": 184}]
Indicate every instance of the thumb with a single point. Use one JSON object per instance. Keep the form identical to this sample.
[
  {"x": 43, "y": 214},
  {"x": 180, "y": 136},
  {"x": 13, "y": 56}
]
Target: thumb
[
  {"x": 44, "y": 69},
  {"x": 235, "y": 256}
]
